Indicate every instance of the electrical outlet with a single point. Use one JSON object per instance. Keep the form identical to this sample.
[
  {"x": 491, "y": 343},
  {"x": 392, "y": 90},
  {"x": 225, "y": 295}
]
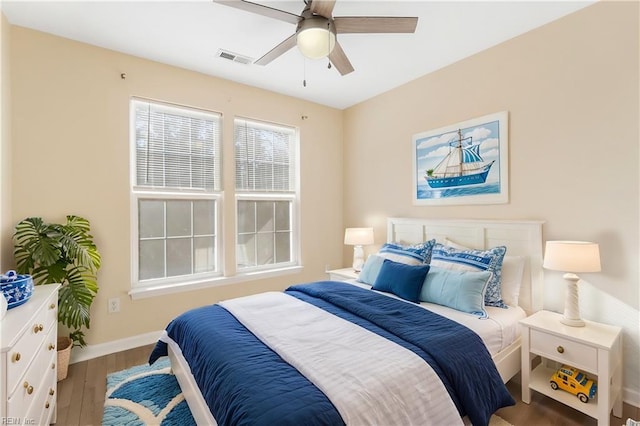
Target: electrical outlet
[{"x": 114, "y": 305}]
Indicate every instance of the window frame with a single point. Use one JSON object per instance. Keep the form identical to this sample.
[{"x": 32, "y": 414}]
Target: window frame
[
  {"x": 292, "y": 195},
  {"x": 227, "y": 272},
  {"x": 295, "y": 239},
  {"x": 142, "y": 192},
  {"x": 136, "y": 283}
]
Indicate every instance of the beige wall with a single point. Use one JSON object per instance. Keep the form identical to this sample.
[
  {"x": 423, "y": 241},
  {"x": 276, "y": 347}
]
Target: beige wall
[
  {"x": 571, "y": 89},
  {"x": 6, "y": 252},
  {"x": 71, "y": 139}
]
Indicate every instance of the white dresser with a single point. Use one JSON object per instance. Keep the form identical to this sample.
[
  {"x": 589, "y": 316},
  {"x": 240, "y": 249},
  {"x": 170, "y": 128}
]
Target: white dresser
[{"x": 28, "y": 366}]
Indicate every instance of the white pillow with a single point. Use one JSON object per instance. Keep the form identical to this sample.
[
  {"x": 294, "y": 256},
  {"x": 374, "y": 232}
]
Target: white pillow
[{"x": 512, "y": 273}]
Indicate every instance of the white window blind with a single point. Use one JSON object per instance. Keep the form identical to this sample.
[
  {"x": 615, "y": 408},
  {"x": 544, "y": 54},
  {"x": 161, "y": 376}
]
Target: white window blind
[
  {"x": 265, "y": 157},
  {"x": 176, "y": 148}
]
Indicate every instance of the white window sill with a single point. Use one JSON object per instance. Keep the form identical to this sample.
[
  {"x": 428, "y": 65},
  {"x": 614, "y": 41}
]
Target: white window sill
[{"x": 162, "y": 290}]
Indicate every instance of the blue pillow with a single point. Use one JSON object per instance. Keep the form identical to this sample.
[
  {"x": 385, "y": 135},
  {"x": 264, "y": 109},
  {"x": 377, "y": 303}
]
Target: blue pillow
[
  {"x": 371, "y": 269},
  {"x": 474, "y": 260},
  {"x": 460, "y": 290},
  {"x": 403, "y": 280},
  {"x": 412, "y": 255}
]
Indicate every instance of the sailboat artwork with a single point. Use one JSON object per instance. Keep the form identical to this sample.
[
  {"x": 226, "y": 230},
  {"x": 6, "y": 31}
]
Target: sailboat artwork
[{"x": 465, "y": 163}]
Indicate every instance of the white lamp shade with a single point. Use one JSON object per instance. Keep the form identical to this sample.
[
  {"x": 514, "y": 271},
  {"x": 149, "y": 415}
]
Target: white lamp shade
[
  {"x": 315, "y": 42},
  {"x": 358, "y": 236},
  {"x": 572, "y": 256}
]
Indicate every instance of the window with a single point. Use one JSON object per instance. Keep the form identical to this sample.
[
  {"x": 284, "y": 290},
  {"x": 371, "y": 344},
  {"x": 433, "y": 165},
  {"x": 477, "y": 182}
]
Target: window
[
  {"x": 266, "y": 195},
  {"x": 175, "y": 193}
]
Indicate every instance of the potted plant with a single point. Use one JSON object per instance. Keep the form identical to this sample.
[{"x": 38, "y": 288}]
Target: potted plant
[{"x": 64, "y": 254}]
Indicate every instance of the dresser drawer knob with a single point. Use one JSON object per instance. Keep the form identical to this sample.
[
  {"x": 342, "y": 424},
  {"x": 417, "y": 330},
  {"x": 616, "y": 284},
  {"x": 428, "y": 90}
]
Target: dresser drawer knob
[
  {"x": 28, "y": 387},
  {"x": 52, "y": 392},
  {"x": 53, "y": 366},
  {"x": 560, "y": 349},
  {"x": 51, "y": 346},
  {"x": 46, "y": 405},
  {"x": 38, "y": 327},
  {"x": 16, "y": 357},
  {"x": 52, "y": 306}
]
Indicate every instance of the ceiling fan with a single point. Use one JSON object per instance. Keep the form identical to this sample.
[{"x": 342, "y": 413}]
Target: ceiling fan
[{"x": 316, "y": 29}]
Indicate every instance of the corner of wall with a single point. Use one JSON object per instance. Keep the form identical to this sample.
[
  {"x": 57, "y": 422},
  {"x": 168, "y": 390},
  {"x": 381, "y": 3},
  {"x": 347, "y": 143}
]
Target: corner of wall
[{"x": 5, "y": 142}]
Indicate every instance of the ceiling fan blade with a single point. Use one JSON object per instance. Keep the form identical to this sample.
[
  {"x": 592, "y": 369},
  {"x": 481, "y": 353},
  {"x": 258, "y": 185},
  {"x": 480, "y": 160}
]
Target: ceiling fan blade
[
  {"x": 323, "y": 7},
  {"x": 277, "y": 51},
  {"x": 375, "y": 24},
  {"x": 339, "y": 60},
  {"x": 261, "y": 10}
]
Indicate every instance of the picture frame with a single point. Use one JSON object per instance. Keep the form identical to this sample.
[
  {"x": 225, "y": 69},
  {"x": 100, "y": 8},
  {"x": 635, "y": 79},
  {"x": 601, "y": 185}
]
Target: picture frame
[{"x": 463, "y": 163}]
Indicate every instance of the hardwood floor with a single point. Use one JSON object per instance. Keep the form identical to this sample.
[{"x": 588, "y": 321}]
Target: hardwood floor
[
  {"x": 81, "y": 396},
  {"x": 548, "y": 412}
]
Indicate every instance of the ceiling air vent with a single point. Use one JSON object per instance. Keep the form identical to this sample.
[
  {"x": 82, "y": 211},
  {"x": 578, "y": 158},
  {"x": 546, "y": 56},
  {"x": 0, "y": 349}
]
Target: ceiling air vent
[{"x": 225, "y": 54}]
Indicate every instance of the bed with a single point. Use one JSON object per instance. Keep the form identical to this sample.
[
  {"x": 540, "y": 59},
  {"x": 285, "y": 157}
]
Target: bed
[{"x": 331, "y": 311}]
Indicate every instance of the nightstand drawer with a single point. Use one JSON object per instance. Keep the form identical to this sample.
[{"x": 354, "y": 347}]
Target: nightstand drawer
[{"x": 566, "y": 351}]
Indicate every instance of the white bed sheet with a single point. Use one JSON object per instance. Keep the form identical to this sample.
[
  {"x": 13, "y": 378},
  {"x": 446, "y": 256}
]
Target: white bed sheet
[{"x": 497, "y": 332}]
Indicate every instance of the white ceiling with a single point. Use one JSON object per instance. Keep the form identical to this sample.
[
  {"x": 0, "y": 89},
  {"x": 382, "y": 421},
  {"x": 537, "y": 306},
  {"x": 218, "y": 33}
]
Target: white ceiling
[{"x": 188, "y": 34}]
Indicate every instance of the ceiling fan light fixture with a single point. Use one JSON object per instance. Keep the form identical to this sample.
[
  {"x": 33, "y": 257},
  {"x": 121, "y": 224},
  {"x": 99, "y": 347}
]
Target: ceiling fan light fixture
[{"x": 315, "y": 38}]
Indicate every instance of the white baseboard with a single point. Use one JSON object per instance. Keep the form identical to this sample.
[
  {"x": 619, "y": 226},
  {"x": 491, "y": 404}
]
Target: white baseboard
[
  {"x": 631, "y": 397},
  {"x": 94, "y": 351}
]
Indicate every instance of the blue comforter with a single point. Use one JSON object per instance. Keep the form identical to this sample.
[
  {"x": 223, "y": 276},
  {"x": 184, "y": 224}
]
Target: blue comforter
[{"x": 244, "y": 382}]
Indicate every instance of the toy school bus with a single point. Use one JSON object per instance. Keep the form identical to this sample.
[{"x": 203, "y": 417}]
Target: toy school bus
[{"x": 575, "y": 382}]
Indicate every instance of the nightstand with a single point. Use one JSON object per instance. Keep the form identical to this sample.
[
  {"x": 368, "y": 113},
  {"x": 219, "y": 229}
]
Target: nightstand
[
  {"x": 595, "y": 349},
  {"x": 343, "y": 274}
]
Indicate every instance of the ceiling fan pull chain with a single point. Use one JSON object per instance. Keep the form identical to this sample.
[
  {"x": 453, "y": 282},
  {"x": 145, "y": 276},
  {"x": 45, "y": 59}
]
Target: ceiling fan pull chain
[
  {"x": 304, "y": 72},
  {"x": 328, "y": 44}
]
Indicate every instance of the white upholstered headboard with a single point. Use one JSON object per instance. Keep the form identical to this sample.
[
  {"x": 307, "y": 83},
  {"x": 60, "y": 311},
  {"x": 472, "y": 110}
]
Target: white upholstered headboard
[{"x": 522, "y": 238}]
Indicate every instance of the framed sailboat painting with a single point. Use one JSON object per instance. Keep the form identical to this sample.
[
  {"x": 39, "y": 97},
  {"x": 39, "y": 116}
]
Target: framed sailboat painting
[{"x": 464, "y": 163}]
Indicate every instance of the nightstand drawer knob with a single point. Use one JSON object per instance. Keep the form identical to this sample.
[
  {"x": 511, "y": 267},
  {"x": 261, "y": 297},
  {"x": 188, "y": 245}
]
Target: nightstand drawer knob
[
  {"x": 16, "y": 357},
  {"x": 560, "y": 349}
]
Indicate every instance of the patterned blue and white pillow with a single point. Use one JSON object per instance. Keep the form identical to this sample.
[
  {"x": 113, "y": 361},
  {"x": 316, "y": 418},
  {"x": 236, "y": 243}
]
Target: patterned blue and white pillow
[
  {"x": 416, "y": 254},
  {"x": 474, "y": 260}
]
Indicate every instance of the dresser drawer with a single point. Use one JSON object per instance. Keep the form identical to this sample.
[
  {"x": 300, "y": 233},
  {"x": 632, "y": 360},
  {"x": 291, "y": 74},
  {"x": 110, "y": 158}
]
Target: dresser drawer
[
  {"x": 575, "y": 354},
  {"x": 50, "y": 402},
  {"x": 34, "y": 386},
  {"x": 43, "y": 406},
  {"x": 22, "y": 354}
]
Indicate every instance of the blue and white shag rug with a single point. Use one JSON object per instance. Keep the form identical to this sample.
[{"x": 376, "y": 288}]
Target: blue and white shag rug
[{"x": 145, "y": 395}]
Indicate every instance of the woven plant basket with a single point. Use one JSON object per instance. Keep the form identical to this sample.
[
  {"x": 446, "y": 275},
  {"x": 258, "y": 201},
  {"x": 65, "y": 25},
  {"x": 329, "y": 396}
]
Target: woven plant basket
[{"x": 64, "y": 353}]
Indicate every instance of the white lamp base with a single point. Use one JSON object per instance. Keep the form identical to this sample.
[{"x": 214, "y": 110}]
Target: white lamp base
[
  {"x": 358, "y": 258},
  {"x": 571, "y": 304}
]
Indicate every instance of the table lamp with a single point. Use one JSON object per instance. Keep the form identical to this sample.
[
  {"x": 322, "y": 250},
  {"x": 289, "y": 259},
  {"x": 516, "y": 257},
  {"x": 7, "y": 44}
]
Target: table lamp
[
  {"x": 358, "y": 237},
  {"x": 572, "y": 257}
]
